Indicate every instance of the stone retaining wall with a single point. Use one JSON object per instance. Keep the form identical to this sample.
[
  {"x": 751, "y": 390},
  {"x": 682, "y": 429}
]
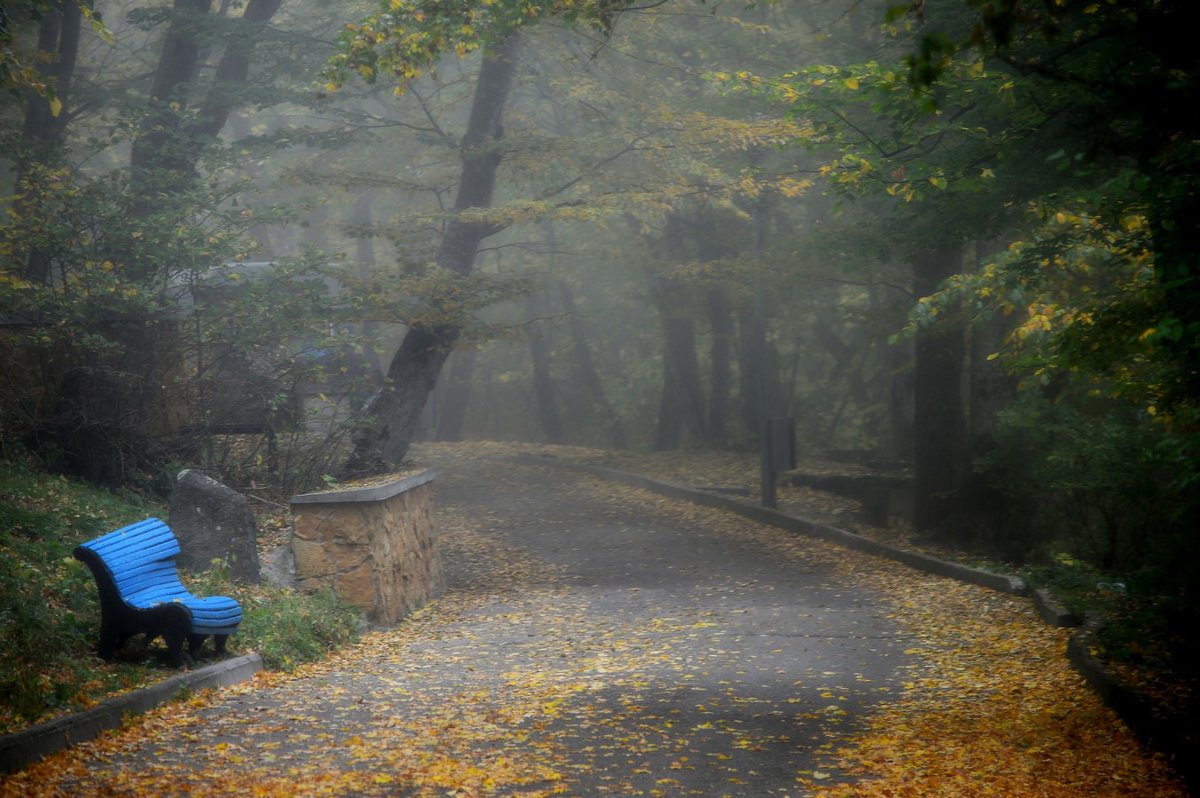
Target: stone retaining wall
[{"x": 375, "y": 547}]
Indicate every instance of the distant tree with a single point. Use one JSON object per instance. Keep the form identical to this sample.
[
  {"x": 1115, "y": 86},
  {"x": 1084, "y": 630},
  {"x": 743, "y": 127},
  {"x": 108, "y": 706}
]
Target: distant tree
[
  {"x": 952, "y": 166},
  {"x": 47, "y": 108},
  {"x": 543, "y": 383},
  {"x": 1101, "y": 284},
  {"x": 170, "y": 140},
  {"x": 939, "y": 424},
  {"x": 387, "y": 431},
  {"x": 585, "y": 368},
  {"x": 400, "y": 45},
  {"x": 118, "y": 285},
  {"x": 47, "y": 105}
]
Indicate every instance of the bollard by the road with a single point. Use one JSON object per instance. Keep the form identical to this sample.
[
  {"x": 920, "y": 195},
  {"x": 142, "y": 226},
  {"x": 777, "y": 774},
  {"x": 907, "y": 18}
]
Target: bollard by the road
[{"x": 778, "y": 454}]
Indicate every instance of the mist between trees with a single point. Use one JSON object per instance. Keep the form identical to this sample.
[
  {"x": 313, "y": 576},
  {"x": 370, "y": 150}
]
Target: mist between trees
[{"x": 282, "y": 240}]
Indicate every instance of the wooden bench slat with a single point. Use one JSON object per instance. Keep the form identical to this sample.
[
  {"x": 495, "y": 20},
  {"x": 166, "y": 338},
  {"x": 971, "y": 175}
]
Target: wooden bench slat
[
  {"x": 134, "y": 548},
  {"x": 155, "y": 595},
  {"x": 140, "y": 591},
  {"x": 161, "y": 574},
  {"x": 150, "y": 531}
]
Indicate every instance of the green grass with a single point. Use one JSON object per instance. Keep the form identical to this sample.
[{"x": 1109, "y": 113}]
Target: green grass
[
  {"x": 49, "y": 611},
  {"x": 285, "y": 627}
]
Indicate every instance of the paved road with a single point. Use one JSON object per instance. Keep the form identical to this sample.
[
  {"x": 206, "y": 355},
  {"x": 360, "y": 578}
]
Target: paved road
[{"x": 593, "y": 641}]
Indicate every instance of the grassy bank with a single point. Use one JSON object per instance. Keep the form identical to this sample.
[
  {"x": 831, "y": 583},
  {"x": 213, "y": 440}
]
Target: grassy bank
[{"x": 49, "y": 611}]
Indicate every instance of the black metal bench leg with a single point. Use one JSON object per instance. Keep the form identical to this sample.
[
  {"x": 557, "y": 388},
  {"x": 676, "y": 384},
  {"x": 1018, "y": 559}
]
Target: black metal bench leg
[
  {"x": 110, "y": 640},
  {"x": 219, "y": 643},
  {"x": 175, "y": 649}
]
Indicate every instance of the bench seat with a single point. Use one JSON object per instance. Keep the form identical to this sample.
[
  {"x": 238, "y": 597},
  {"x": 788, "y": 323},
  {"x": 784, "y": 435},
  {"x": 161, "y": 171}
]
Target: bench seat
[{"x": 140, "y": 592}]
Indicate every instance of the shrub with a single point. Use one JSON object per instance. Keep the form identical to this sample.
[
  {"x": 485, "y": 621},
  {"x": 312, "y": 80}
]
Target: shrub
[
  {"x": 1102, "y": 492},
  {"x": 288, "y": 628}
]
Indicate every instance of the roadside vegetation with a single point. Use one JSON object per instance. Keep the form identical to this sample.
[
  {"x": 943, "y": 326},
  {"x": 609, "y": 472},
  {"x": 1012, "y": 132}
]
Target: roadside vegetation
[{"x": 50, "y": 614}]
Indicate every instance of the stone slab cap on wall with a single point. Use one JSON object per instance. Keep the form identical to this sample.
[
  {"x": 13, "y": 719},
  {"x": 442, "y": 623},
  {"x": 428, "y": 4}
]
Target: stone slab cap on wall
[
  {"x": 214, "y": 521},
  {"x": 369, "y": 493}
]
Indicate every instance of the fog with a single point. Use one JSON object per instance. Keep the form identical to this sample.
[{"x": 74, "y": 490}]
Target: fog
[
  {"x": 284, "y": 241},
  {"x": 930, "y": 265}
]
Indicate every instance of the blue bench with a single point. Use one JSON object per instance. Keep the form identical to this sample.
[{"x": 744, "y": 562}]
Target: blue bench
[{"x": 140, "y": 593}]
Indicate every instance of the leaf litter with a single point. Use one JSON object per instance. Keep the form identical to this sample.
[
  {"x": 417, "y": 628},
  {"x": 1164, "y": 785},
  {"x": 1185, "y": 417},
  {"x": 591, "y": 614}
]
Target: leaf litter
[{"x": 511, "y": 684}]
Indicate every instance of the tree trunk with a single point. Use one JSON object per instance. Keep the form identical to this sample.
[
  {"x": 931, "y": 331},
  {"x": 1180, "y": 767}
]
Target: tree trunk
[
  {"x": 720, "y": 318},
  {"x": 232, "y": 71},
  {"x": 43, "y": 132},
  {"x": 543, "y": 384},
  {"x": 681, "y": 407},
  {"x": 750, "y": 363},
  {"x": 895, "y": 378},
  {"x": 939, "y": 425},
  {"x": 386, "y": 432},
  {"x": 668, "y": 432},
  {"x": 758, "y": 373},
  {"x": 364, "y": 255},
  {"x": 990, "y": 388},
  {"x": 164, "y": 154},
  {"x": 585, "y": 367},
  {"x": 900, "y": 399},
  {"x": 58, "y": 39},
  {"x": 456, "y": 397},
  {"x": 687, "y": 364},
  {"x": 158, "y": 160}
]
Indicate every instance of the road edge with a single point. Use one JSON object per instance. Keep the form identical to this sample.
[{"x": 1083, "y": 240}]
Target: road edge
[
  {"x": 1156, "y": 735},
  {"x": 22, "y": 748},
  {"x": 1003, "y": 583}
]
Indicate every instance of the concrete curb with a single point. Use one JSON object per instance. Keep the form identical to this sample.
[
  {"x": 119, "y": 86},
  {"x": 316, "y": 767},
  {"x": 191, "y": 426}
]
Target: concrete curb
[
  {"x": 30, "y": 745},
  {"x": 1169, "y": 733},
  {"x": 922, "y": 562},
  {"x": 1052, "y": 610}
]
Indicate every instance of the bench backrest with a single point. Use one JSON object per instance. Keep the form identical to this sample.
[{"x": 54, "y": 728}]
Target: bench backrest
[{"x": 140, "y": 556}]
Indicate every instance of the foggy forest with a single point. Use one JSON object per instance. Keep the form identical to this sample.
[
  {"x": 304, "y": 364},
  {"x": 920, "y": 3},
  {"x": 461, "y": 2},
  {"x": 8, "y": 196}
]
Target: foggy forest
[{"x": 948, "y": 246}]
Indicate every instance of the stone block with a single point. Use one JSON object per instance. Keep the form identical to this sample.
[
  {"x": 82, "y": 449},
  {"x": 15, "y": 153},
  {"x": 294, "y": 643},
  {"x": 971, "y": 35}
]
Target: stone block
[{"x": 213, "y": 521}]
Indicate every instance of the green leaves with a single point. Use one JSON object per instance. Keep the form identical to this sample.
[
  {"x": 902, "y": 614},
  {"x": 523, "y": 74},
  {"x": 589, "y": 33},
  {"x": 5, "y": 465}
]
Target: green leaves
[{"x": 406, "y": 38}]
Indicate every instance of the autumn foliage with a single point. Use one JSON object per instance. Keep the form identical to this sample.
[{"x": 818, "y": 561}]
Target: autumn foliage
[{"x": 518, "y": 683}]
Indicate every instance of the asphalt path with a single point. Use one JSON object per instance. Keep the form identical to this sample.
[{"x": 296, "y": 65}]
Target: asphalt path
[{"x": 593, "y": 640}]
